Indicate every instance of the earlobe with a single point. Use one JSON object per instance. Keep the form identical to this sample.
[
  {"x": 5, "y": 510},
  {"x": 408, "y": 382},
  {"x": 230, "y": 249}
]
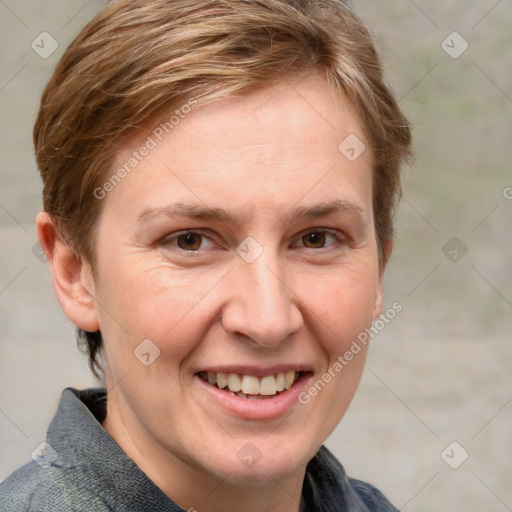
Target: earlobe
[
  {"x": 379, "y": 298},
  {"x": 72, "y": 277}
]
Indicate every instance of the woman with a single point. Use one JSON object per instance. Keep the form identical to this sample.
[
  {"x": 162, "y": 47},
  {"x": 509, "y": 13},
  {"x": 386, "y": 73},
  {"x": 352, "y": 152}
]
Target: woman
[{"x": 219, "y": 183}]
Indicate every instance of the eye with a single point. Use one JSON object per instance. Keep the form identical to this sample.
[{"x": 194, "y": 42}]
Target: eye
[
  {"x": 190, "y": 241},
  {"x": 319, "y": 239}
]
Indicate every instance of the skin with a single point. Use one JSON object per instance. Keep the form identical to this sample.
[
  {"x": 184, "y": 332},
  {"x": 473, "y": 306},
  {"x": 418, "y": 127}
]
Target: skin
[{"x": 302, "y": 301}]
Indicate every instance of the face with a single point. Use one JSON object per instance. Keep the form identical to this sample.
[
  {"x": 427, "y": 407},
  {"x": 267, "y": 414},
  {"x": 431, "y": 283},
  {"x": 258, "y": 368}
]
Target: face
[{"x": 242, "y": 249}]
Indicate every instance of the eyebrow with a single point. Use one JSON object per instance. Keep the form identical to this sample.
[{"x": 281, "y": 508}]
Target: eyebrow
[{"x": 297, "y": 214}]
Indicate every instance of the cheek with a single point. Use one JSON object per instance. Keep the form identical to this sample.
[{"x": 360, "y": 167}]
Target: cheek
[
  {"x": 157, "y": 303},
  {"x": 341, "y": 308},
  {"x": 343, "y": 301}
]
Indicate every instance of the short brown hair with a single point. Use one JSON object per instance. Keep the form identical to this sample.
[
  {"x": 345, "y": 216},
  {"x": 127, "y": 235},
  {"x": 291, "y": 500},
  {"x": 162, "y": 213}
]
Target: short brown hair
[{"x": 137, "y": 57}]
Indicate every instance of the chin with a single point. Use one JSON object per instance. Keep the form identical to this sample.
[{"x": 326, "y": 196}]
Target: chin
[{"x": 262, "y": 461}]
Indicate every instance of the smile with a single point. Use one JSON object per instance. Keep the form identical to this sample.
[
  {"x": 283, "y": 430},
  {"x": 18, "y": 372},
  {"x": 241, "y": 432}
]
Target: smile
[{"x": 252, "y": 387}]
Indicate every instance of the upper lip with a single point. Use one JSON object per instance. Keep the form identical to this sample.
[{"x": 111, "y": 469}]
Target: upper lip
[{"x": 257, "y": 370}]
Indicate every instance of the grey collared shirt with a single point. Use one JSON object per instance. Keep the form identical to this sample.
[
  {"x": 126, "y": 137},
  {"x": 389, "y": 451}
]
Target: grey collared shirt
[{"x": 82, "y": 469}]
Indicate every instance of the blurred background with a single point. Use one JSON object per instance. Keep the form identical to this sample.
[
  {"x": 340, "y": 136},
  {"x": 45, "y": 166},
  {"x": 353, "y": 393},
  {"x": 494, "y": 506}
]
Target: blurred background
[{"x": 431, "y": 424}]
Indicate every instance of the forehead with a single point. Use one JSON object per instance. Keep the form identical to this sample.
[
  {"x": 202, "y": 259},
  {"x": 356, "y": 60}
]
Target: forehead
[{"x": 274, "y": 145}]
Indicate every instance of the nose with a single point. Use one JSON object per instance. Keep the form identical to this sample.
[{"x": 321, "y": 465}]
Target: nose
[{"x": 262, "y": 306}]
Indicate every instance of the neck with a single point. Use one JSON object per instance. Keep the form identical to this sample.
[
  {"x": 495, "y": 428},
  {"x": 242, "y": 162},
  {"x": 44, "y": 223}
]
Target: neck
[{"x": 190, "y": 486}]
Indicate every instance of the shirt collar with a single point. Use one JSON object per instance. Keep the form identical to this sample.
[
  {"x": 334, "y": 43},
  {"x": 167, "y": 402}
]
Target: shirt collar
[{"x": 90, "y": 454}]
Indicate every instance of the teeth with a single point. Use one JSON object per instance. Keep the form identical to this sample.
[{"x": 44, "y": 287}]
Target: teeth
[
  {"x": 234, "y": 382},
  {"x": 289, "y": 377},
  {"x": 268, "y": 385},
  {"x": 222, "y": 379},
  {"x": 250, "y": 386},
  {"x": 280, "y": 381}
]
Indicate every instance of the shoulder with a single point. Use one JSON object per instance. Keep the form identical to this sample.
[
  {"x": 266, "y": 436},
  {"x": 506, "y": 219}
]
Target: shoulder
[
  {"x": 36, "y": 489},
  {"x": 81, "y": 468}
]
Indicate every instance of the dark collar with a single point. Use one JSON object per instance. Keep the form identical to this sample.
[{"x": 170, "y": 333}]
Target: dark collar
[{"x": 90, "y": 454}]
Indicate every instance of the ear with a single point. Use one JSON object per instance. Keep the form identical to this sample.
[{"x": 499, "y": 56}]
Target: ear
[
  {"x": 379, "y": 298},
  {"x": 72, "y": 276}
]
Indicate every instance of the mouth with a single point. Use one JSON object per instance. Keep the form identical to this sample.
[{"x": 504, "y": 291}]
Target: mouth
[{"x": 252, "y": 387}]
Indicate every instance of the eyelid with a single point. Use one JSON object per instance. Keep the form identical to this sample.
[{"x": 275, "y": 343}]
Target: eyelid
[
  {"x": 166, "y": 240},
  {"x": 340, "y": 237}
]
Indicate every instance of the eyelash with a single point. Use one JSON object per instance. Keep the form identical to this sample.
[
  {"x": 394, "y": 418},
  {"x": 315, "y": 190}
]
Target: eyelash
[{"x": 168, "y": 240}]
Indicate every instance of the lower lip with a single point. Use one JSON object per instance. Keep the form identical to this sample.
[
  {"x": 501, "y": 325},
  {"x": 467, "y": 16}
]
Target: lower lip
[{"x": 259, "y": 409}]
